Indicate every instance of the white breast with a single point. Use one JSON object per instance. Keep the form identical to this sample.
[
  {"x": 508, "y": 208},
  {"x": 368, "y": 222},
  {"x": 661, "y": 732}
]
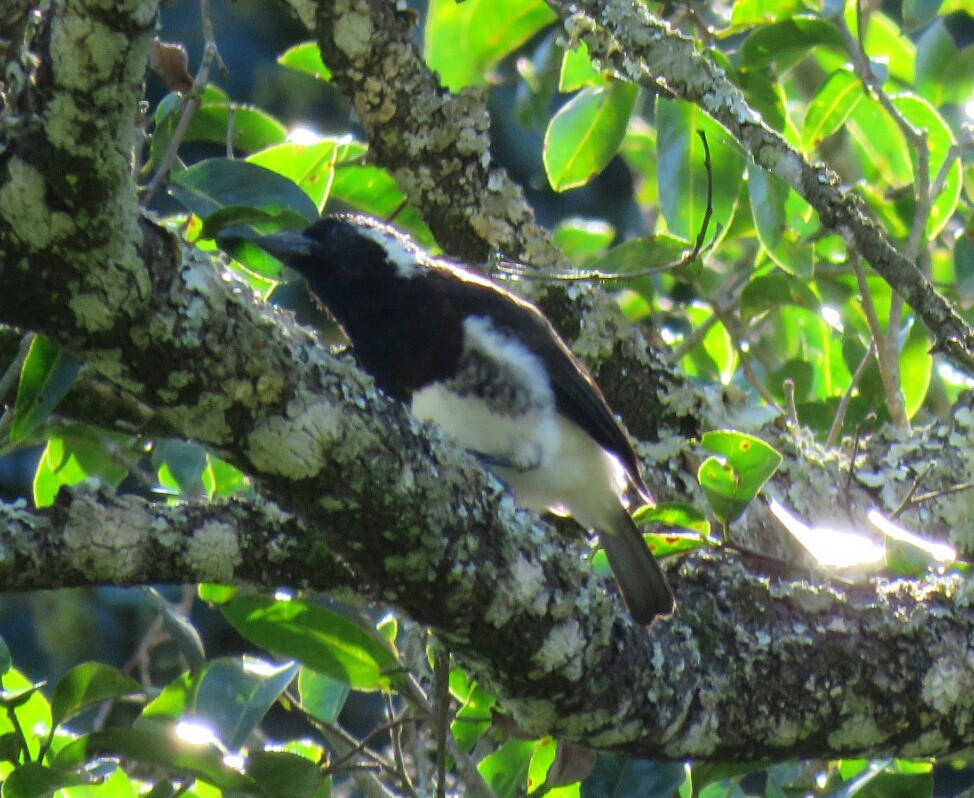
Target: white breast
[
  {"x": 548, "y": 461},
  {"x": 500, "y": 405}
]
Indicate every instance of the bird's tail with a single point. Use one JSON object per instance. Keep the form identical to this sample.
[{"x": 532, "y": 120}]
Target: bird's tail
[{"x": 640, "y": 579}]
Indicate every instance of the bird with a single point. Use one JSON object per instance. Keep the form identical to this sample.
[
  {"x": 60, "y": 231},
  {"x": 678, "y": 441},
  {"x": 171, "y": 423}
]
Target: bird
[{"x": 488, "y": 369}]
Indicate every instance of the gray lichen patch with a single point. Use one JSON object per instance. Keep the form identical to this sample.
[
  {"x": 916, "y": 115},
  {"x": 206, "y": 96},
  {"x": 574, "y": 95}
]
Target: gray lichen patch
[
  {"x": 295, "y": 447},
  {"x": 213, "y": 552},
  {"x": 23, "y": 207},
  {"x": 109, "y": 544}
]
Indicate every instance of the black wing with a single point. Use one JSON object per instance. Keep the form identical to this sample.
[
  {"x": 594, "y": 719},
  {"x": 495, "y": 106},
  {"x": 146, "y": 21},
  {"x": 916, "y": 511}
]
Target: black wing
[{"x": 576, "y": 395}]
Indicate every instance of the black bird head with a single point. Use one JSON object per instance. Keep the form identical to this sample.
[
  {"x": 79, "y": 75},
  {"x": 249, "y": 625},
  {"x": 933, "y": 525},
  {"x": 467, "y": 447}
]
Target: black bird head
[
  {"x": 376, "y": 283},
  {"x": 344, "y": 248}
]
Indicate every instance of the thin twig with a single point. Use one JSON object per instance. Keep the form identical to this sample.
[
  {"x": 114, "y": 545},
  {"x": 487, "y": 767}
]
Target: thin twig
[
  {"x": 886, "y": 355},
  {"x": 842, "y": 409},
  {"x": 913, "y": 489},
  {"x": 749, "y": 373},
  {"x": 789, "y": 388},
  {"x": 395, "y": 736},
  {"x": 936, "y": 494},
  {"x": 517, "y": 269},
  {"x": 191, "y": 104},
  {"x": 209, "y": 38}
]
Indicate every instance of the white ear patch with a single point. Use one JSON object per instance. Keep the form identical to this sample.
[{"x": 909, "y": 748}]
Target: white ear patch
[{"x": 408, "y": 259}]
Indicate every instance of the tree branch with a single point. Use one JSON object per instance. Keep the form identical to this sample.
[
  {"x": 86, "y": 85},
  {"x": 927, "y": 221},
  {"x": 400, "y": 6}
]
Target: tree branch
[{"x": 643, "y": 49}]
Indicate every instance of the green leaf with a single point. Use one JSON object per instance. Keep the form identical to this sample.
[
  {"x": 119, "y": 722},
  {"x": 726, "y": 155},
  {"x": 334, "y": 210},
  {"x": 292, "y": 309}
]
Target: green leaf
[
  {"x": 321, "y": 695},
  {"x": 216, "y": 183},
  {"x": 282, "y": 774},
  {"x": 586, "y": 133},
  {"x": 311, "y": 166},
  {"x": 783, "y": 221},
  {"x": 267, "y": 220},
  {"x": 33, "y": 780},
  {"x": 222, "y": 479},
  {"x": 682, "y": 169},
  {"x": 474, "y": 717},
  {"x": 506, "y": 769},
  {"x": 916, "y": 368},
  {"x": 374, "y": 191},
  {"x": 639, "y": 254},
  {"x": 885, "y": 44},
  {"x": 917, "y": 13},
  {"x": 232, "y": 695},
  {"x": 622, "y": 777},
  {"x": 788, "y": 41},
  {"x": 27, "y": 701},
  {"x": 768, "y": 291},
  {"x": 320, "y": 638},
  {"x": 831, "y": 107},
  {"x": 78, "y": 452},
  {"x": 578, "y": 71},
  {"x": 581, "y": 240},
  {"x": 87, "y": 685},
  {"x": 935, "y": 48},
  {"x": 747, "y": 13},
  {"x": 305, "y": 57},
  {"x": 6, "y": 661},
  {"x": 158, "y": 747},
  {"x": 464, "y": 41},
  {"x": 252, "y": 129},
  {"x": 731, "y": 481},
  {"x": 169, "y": 706},
  {"x": 45, "y": 379},
  {"x": 217, "y": 594},
  {"x": 186, "y": 462},
  {"x": 674, "y": 514}
]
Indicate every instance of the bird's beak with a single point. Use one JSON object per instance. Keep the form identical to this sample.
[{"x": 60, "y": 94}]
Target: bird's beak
[{"x": 284, "y": 245}]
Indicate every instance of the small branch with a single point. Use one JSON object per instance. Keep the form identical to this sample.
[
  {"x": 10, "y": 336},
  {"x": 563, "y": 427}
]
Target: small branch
[
  {"x": 793, "y": 422},
  {"x": 843, "y": 407},
  {"x": 190, "y": 105},
  {"x": 887, "y": 356}
]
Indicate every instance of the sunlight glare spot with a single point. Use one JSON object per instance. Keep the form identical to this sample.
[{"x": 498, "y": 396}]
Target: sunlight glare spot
[
  {"x": 260, "y": 667},
  {"x": 832, "y": 317},
  {"x": 235, "y": 761},
  {"x": 833, "y": 548},
  {"x": 196, "y": 733},
  {"x": 303, "y": 135}
]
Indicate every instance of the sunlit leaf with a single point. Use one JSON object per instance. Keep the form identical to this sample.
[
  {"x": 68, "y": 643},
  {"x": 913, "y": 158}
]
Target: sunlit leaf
[
  {"x": 86, "y": 686},
  {"x": 464, "y": 41},
  {"x": 682, "y": 173},
  {"x": 46, "y": 377},
  {"x": 305, "y": 57},
  {"x": 320, "y": 638},
  {"x": 586, "y": 133}
]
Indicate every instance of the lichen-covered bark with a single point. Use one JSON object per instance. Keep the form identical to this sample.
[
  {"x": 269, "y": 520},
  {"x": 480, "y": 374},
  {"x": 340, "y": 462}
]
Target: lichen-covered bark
[
  {"x": 435, "y": 143},
  {"x": 753, "y": 662}
]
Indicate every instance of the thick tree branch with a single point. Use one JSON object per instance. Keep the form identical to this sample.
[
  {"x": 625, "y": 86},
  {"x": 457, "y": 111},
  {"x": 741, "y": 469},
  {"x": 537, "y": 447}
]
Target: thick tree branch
[
  {"x": 863, "y": 670},
  {"x": 92, "y": 536}
]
